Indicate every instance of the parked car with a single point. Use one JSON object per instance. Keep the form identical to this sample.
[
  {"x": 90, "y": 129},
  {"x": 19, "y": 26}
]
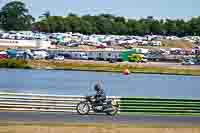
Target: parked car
[
  {"x": 59, "y": 58},
  {"x": 51, "y": 56},
  {"x": 112, "y": 60},
  {"x": 38, "y": 57},
  {"x": 3, "y": 56},
  {"x": 144, "y": 60},
  {"x": 188, "y": 62},
  {"x": 101, "y": 46}
]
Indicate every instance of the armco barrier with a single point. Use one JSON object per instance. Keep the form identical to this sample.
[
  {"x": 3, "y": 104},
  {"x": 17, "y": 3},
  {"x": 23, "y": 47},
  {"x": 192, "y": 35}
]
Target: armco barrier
[
  {"x": 62, "y": 103},
  {"x": 40, "y": 102}
]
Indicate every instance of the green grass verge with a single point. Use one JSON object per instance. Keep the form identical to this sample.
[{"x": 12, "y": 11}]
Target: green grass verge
[
  {"x": 108, "y": 67},
  {"x": 98, "y": 67},
  {"x": 13, "y": 63}
]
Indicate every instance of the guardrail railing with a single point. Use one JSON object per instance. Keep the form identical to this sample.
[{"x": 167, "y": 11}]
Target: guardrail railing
[
  {"x": 41, "y": 102},
  {"x": 127, "y": 105}
]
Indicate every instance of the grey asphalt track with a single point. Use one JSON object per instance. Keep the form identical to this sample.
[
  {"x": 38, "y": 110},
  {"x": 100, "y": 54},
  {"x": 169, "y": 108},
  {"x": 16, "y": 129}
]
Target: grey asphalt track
[{"x": 41, "y": 117}]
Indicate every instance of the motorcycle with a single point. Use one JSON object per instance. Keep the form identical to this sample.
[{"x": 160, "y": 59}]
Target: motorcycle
[{"x": 110, "y": 107}]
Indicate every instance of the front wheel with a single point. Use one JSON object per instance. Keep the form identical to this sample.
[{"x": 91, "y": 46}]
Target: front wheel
[
  {"x": 83, "y": 108},
  {"x": 113, "y": 111}
]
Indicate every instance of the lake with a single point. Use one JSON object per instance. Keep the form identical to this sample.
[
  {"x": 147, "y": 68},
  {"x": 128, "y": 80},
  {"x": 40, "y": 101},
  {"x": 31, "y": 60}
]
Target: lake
[{"x": 58, "y": 82}]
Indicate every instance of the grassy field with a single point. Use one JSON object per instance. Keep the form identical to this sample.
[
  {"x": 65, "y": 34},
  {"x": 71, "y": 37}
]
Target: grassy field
[
  {"x": 177, "y": 44},
  {"x": 94, "y": 128},
  {"x": 165, "y": 44},
  {"x": 101, "y": 66},
  {"x": 108, "y": 67},
  {"x": 13, "y": 63}
]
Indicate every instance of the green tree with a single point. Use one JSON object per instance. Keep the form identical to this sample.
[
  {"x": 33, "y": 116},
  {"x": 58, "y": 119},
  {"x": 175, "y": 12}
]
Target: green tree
[
  {"x": 67, "y": 26},
  {"x": 109, "y": 24},
  {"x": 120, "y": 28},
  {"x": 108, "y": 16},
  {"x": 144, "y": 24},
  {"x": 170, "y": 27},
  {"x": 195, "y": 25},
  {"x": 187, "y": 28},
  {"x": 120, "y": 19},
  {"x": 72, "y": 15},
  {"x": 15, "y": 16},
  {"x": 52, "y": 24},
  {"x": 86, "y": 27},
  {"x": 156, "y": 27},
  {"x": 45, "y": 15},
  {"x": 180, "y": 25},
  {"x": 41, "y": 26},
  {"x": 75, "y": 23},
  {"x": 59, "y": 24},
  {"x": 104, "y": 25}
]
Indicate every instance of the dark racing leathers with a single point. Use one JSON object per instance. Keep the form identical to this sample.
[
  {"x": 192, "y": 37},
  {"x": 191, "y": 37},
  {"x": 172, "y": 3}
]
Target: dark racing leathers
[{"x": 100, "y": 97}]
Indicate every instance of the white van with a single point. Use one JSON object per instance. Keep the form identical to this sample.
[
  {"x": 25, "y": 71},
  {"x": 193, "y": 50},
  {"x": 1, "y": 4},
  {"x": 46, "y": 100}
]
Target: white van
[
  {"x": 79, "y": 55},
  {"x": 40, "y": 54}
]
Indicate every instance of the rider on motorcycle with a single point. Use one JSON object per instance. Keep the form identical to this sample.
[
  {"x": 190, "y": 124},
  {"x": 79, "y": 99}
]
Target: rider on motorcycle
[
  {"x": 98, "y": 103},
  {"x": 100, "y": 96}
]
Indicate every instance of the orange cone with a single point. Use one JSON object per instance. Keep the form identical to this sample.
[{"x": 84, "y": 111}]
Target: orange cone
[{"x": 126, "y": 71}]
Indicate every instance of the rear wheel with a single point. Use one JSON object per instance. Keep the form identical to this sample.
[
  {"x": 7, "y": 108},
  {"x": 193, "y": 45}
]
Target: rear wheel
[{"x": 83, "y": 108}]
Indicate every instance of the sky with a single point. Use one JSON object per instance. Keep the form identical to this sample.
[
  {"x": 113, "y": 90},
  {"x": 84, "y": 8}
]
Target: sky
[{"x": 126, "y": 8}]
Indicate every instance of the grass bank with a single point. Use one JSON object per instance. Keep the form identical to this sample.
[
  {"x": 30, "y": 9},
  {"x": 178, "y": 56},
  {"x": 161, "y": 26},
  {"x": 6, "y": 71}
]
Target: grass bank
[
  {"x": 99, "y": 67},
  {"x": 13, "y": 63},
  {"x": 108, "y": 67}
]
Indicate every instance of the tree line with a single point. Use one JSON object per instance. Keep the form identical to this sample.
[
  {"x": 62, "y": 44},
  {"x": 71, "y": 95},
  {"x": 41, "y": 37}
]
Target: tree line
[{"x": 15, "y": 16}]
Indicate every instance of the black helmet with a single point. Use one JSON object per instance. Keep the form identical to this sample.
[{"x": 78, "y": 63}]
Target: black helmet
[{"x": 97, "y": 87}]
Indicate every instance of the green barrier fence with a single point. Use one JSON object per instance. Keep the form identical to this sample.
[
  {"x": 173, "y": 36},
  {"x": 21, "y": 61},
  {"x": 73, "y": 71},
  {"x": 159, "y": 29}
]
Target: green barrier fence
[{"x": 133, "y": 105}]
